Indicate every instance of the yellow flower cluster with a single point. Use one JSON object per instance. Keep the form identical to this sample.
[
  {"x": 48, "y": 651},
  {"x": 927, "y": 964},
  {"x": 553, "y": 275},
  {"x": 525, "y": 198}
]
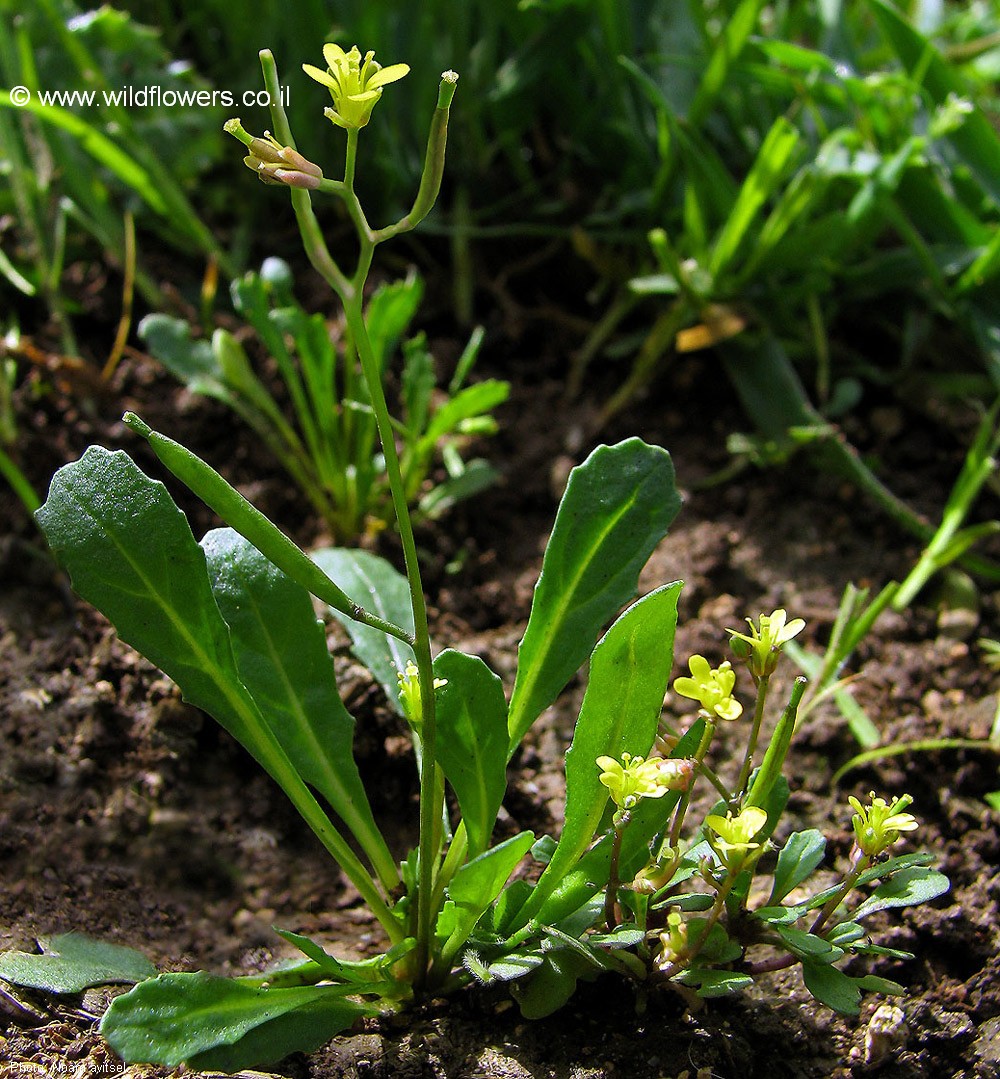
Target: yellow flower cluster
[
  {"x": 711, "y": 687},
  {"x": 634, "y": 778}
]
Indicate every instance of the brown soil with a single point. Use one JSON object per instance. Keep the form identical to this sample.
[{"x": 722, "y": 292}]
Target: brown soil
[{"x": 125, "y": 814}]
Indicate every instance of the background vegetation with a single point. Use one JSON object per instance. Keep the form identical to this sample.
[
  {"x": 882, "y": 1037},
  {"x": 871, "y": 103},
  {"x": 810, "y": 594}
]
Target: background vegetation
[{"x": 807, "y": 192}]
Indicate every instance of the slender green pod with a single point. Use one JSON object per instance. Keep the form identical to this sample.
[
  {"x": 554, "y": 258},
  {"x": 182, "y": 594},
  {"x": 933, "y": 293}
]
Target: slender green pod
[
  {"x": 430, "y": 179},
  {"x": 240, "y": 515},
  {"x": 777, "y": 750}
]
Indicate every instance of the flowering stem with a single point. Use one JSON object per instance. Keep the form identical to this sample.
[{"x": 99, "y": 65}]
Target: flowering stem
[
  {"x": 312, "y": 236},
  {"x": 683, "y": 959},
  {"x": 351, "y": 293},
  {"x": 859, "y": 862},
  {"x": 621, "y": 821},
  {"x": 431, "y": 797},
  {"x": 758, "y": 715},
  {"x": 682, "y": 806}
]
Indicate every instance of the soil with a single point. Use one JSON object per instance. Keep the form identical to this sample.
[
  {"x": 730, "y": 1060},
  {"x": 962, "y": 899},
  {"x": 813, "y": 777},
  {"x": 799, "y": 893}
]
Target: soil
[{"x": 127, "y": 815}]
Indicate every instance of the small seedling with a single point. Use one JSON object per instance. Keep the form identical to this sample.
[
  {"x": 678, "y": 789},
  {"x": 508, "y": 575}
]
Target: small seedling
[{"x": 330, "y": 449}]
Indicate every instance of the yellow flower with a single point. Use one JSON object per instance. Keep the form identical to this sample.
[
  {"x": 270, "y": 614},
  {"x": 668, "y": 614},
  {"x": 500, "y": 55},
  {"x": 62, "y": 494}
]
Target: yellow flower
[
  {"x": 713, "y": 689},
  {"x": 409, "y": 693},
  {"x": 634, "y": 779},
  {"x": 761, "y": 647},
  {"x": 877, "y": 825},
  {"x": 355, "y": 83},
  {"x": 733, "y": 836}
]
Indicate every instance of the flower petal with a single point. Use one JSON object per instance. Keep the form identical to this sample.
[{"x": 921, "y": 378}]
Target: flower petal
[
  {"x": 795, "y": 627},
  {"x": 699, "y": 667},
  {"x": 729, "y": 709},
  {"x": 333, "y": 54},
  {"x": 367, "y": 95},
  {"x": 687, "y": 687},
  {"x": 392, "y": 73},
  {"x": 320, "y": 76},
  {"x": 753, "y": 818}
]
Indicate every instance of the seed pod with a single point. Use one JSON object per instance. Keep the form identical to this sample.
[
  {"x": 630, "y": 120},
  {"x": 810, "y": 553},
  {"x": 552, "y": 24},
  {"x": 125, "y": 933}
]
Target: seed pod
[{"x": 246, "y": 519}]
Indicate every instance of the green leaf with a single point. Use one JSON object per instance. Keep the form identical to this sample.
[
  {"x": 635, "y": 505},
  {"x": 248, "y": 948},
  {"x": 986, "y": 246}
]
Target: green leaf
[
  {"x": 621, "y": 709},
  {"x": 72, "y": 962},
  {"x": 514, "y": 966},
  {"x": 383, "y": 590},
  {"x": 975, "y": 140},
  {"x": 618, "y": 505},
  {"x": 877, "y": 949},
  {"x": 772, "y": 915},
  {"x": 283, "y": 661},
  {"x": 472, "y": 741},
  {"x": 363, "y": 972},
  {"x": 169, "y": 340},
  {"x": 873, "y": 984},
  {"x": 552, "y": 984},
  {"x": 906, "y": 888},
  {"x": 808, "y": 945},
  {"x": 625, "y": 936},
  {"x": 845, "y": 934},
  {"x": 543, "y": 849},
  {"x": 694, "y": 901},
  {"x": 478, "y": 883},
  {"x": 879, "y": 871},
  {"x": 388, "y": 314},
  {"x": 477, "y": 400},
  {"x": 511, "y": 900},
  {"x": 801, "y": 854},
  {"x": 714, "y": 983},
  {"x": 218, "y": 1023},
  {"x": 833, "y": 987},
  {"x": 130, "y": 552},
  {"x": 765, "y": 174}
]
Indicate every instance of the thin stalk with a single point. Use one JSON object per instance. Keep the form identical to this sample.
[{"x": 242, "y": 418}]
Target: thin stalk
[
  {"x": 351, "y": 293},
  {"x": 312, "y": 235},
  {"x": 758, "y": 715},
  {"x": 621, "y": 821},
  {"x": 683, "y": 960},
  {"x": 858, "y": 863},
  {"x": 431, "y": 799},
  {"x": 685, "y": 800}
]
